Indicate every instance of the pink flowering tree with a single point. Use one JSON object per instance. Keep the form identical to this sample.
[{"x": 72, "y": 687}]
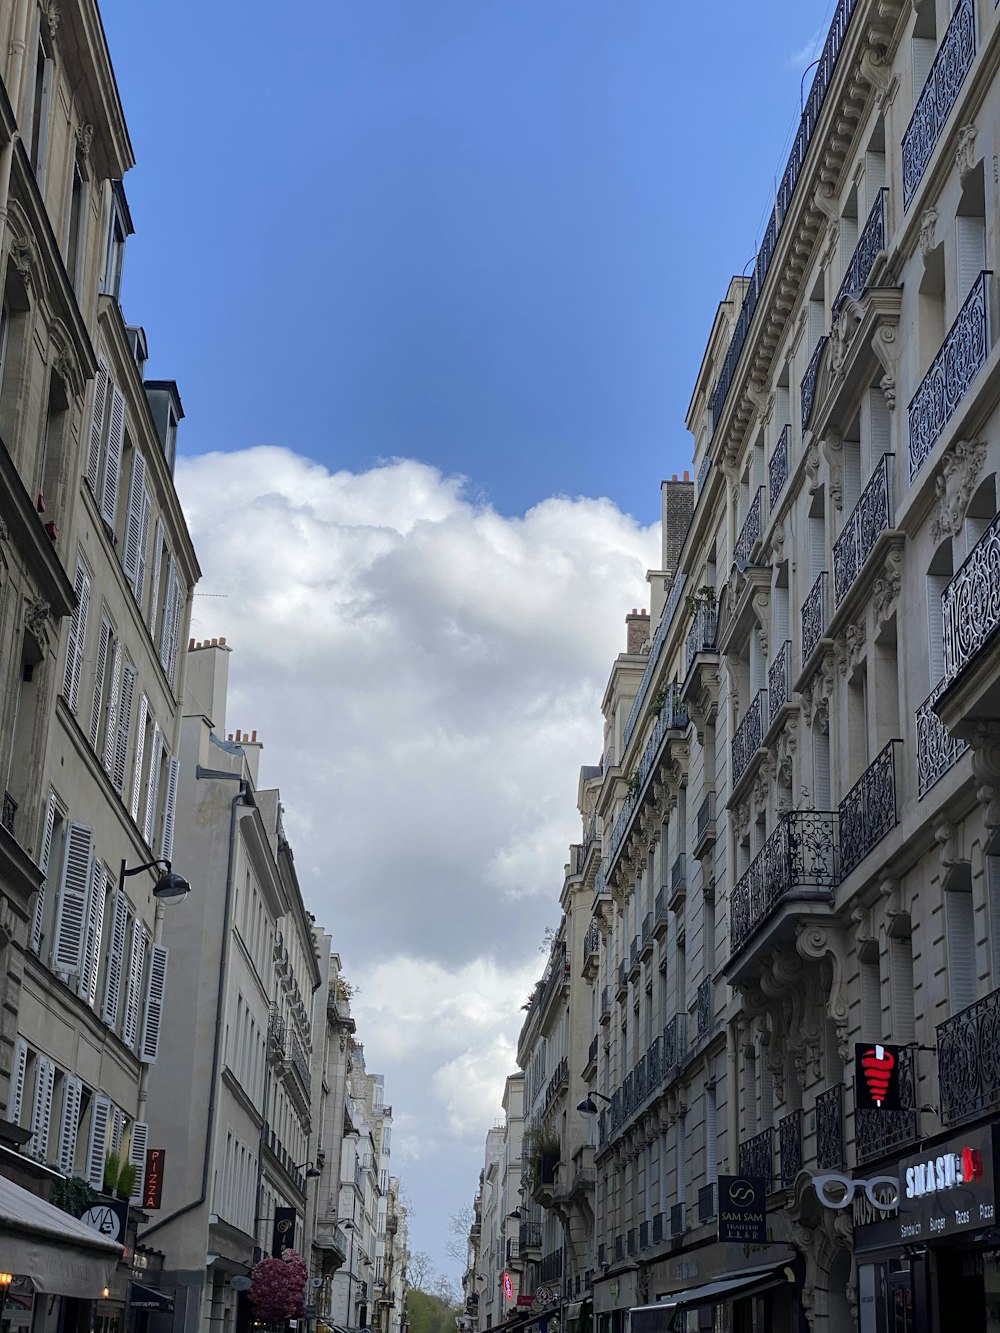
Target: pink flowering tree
[{"x": 278, "y": 1287}]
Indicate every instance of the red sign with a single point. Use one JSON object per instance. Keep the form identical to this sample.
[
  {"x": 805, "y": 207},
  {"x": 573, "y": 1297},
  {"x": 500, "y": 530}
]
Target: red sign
[
  {"x": 525, "y": 1300},
  {"x": 508, "y": 1287},
  {"x": 152, "y": 1186}
]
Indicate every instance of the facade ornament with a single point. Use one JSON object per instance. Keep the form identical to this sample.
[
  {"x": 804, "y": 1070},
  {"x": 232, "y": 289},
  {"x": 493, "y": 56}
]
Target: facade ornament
[
  {"x": 4, "y": 531},
  {"x": 874, "y": 68},
  {"x": 52, "y": 17},
  {"x": 812, "y": 466},
  {"x": 985, "y": 742},
  {"x": 842, "y": 333},
  {"x": 965, "y": 152},
  {"x": 960, "y": 468},
  {"x": 826, "y": 201},
  {"x": 928, "y": 221},
  {"x": 850, "y": 646},
  {"x": 826, "y": 944},
  {"x": 36, "y": 621},
  {"x": 884, "y": 347},
  {"x": 84, "y": 140},
  {"x": 833, "y": 451},
  {"x": 895, "y": 908},
  {"x": 886, "y": 588}
]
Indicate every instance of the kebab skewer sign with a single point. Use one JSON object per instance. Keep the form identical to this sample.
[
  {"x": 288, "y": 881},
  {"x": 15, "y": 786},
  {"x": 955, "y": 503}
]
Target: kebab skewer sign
[{"x": 876, "y": 1077}]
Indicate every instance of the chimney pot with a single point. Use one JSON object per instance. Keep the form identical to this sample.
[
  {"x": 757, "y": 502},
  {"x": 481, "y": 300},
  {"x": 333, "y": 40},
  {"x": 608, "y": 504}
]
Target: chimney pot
[
  {"x": 190, "y": 644},
  {"x": 687, "y": 475},
  {"x": 222, "y": 641},
  {"x": 254, "y": 736}
]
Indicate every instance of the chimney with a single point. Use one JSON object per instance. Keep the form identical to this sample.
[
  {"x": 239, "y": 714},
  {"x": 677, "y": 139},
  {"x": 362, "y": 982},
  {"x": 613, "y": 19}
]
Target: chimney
[
  {"x": 636, "y": 631},
  {"x": 678, "y": 506}
]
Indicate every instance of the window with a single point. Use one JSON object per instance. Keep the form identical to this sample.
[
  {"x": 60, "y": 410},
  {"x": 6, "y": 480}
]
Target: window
[
  {"x": 960, "y": 935},
  {"x": 41, "y": 99},
  {"x": 76, "y": 226},
  {"x": 119, "y": 228},
  {"x": 76, "y": 638},
  {"x": 137, "y": 526},
  {"x": 50, "y": 462}
]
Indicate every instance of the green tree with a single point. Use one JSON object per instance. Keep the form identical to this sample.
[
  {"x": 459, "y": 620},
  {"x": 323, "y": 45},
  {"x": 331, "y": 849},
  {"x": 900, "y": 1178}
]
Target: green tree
[{"x": 428, "y": 1313}]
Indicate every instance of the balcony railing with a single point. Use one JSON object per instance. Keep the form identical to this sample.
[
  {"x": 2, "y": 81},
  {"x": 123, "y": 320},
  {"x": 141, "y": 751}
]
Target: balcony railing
[
  {"x": 9, "y": 811},
  {"x": 814, "y": 616},
  {"x": 678, "y": 874},
  {"x": 701, "y": 635},
  {"x": 790, "y": 1147},
  {"x": 830, "y": 1129},
  {"x": 969, "y": 1060},
  {"x": 706, "y": 463},
  {"x": 704, "y": 1007},
  {"x": 870, "y": 245},
  {"x": 552, "y": 1265},
  {"x": 751, "y": 530},
  {"x": 592, "y": 942},
  {"x": 870, "y": 517},
  {"x": 749, "y": 735},
  {"x": 879, "y": 1133},
  {"x": 779, "y": 681},
  {"x": 757, "y": 1156},
  {"x": 808, "y": 390},
  {"x": 777, "y": 469},
  {"x": 937, "y": 751},
  {"x": 592, "y": 1050},
  {"x": 970, "y": 605},
  {"x": 799, "y": 857},
  {"x": 706, "y": 816},
  {"x": 623, "y": 975},
  {"x": 633, "y": 956},
  {"x": 672, "y": 716},
  {"x": 605, "y": 1002},
  {"x": 655, "y": 649},
  {"x": 807, "y": 125},
  {"x": 529, "y": 1236},
  {"x": 660, "y": 910},
  {"x": 963, "y": 354},
  {"x": 868, "y": 811},
  {"x": 940, "y": 92}
]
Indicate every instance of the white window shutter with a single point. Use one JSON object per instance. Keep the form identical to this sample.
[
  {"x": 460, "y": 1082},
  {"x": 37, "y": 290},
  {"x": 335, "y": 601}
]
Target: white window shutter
[
  {"x": 154, "y": 592},
  {"x": 119, "y": 766},
  {"x": 113, "y": 460},
  {"x": 133, "y": 525},
  {"x": 97, "y": 427},
  {"x": 137, "y": 1157},
  {"x": 72, "y": 1098},
  {"x": 41, "y": 1114},
  {"x": 117, "y": 1129},
  {"x": 970, "y": 240},
  {"x": 102, "y": 665},
  {"x": 167, "y": 626},
  {"x": 67, "y": 949},
  {"x": 19, "y": 1065},
  {"x": 100, "y": 1121},
  {"x": 116, "y": 958},
  {"x": 137, "y": 963},
  {"x": 153, "y": 785},
  {"x": 140, "y": 572},
  {"x": 114, "y": 692},
  {"x": 169, "y": 805},
  {"x": 175, "y": 633},
  {"x": 960, "y": 932},
  {"x": 140, "y": 745},
  {"x": 155, "y": 991},
  {"x": 936, "y": 584},
  {"x": 76, "y": 637},
  {"x": 95, "y": 931},
  {"x": 43, "y": 865}
]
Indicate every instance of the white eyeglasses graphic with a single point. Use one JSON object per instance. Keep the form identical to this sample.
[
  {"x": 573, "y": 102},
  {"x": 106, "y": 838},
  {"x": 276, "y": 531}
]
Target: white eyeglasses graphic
[{"x": 837, "y": 1191}]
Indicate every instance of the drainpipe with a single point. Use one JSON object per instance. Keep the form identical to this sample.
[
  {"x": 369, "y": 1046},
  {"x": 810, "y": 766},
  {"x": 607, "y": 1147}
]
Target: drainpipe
[{"x": 243, "y": 797}]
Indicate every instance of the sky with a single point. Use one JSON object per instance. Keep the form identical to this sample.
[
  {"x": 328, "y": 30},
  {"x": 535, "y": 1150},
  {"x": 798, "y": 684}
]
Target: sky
[{"x": 435, "y": 279}]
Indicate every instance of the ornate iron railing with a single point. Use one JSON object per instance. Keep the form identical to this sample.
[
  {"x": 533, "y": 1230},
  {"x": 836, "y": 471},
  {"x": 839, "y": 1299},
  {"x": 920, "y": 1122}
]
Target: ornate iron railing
[
  {"x": 9, "y": 811},
  {"x": 749, "y": 735},
  {"x": 814, "y": 616},
  {"x": 963, "y": 354},
  {"x": 870, "y": 517},
  {"x": 654, "y": 1063},
  {"x": 779, "y": 681},
  {"x": 655, "y": 649},
  {"x": 672, "y": 716},
  {"x": 790, "y": 1147},
  {"x": 807, "y": 125},
  {"x": 808, "y": 390},
  {"x": 706, "y": 463},
  {"x": 830, "y": 1154},
  {"x": 751, "y": 530},
  {"x": 591, "y": 835},
  {"x": 633, "y": 956},
  {"x": 969, "y": 1060},
  {"x": 592, "y": 943},
  {"x": 623, "y": 975},
  {"x": 552, "y": 1265},
  {"x": 660, "y": 906},
  {"x": 757, "y": 1156},
  {"x": 647, "y": 929},
  {"x": 777, "y": 469},
  {"x": 970, "y": 605},
  {"x": 605, "y": 1001},
  {"x": 937, "y": 751},
  {"x": 940, "y": 92},
  {"x": 799, "y": 857},
  {"x": 673, "y": 1048},
  {"x": 868, "y": 811},
  {"x": 706, "y": 814},
  {"x": 601, "y": 881},
  {"x": 592, "y": 1050},
  {"x": 870, "y": 245},
  {"x": 701, "y": 636},
  {"x": 704, "y": 1006},
  {"x": 678, "y": 873},
  {"x": 878, "y": 1133}
]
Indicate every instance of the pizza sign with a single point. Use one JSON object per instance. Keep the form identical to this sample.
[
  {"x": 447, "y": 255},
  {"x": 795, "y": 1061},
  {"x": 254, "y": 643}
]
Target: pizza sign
[{"x": 152, "y": 1185}]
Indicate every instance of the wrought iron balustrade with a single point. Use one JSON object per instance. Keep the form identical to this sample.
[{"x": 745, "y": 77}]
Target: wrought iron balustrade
[
  {"x": 777, "y": 468},
  {"x": 706, "y": 815},
  {"x": 592, "y": 1050},
  {"x": 879, "y": 1133},
  {"x": 602, "y": 1128},
  {"x": 592, "y": 943},
  {"x": 969, "y": 1060},
  {"x": 779, "y": 681},
  {"x": 937, "y": 751},
  {"x": 605, "y": 1001},
  {"x": 678, "y": 873},
  {"x": 704, "y": 1007},
  {"x": 970, "y": 605},
  {"x": 870, "y": 245},
  {"x": 799, "y": 857},
  {"x": 654, "y": 1063},
  {"x": 658, "y": 1220},
  {"x": 868, "y": 812},
  {"x": 706, "y": 463},
  {"x": 9, "y": 811},
  {"x": 807, "y": 392},
  {"x": 647, "y": 929},
  {"x": 790, "y": 1147},
  {"x": 870, "y": 517},
  {"x": 529, "y": 1235},
  {"x": 814, "y": 616},
  {"x": 672, "y": 716},
  {"x": 633, "y": 957},
  {"x": 652, "y": 661},
  {"x": 640, "y": 1074},
  {"x": 622, "y": 974},
  {"x": 963, "y": 354},
  {"x": 674, "y": 1045},
  {"x": 752, "y": 527},
  {"x": 830, "y": 1155},
  {"x": 702, "y": 634},
  {"x": 749, "y": 735},
  {"x": 940, "y": 92},
  {"x": 757, "y": 1156},
  {"x": 660, "y": 906},
  {"x": 552, "y": 1265}
]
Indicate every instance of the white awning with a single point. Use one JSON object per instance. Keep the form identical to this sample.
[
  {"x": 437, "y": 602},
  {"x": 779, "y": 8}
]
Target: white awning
[{"x": 60, "y": 1255}]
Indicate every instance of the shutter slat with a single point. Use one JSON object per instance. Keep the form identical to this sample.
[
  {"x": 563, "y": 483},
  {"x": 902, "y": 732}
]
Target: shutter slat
[
  {"x": 99, "y": 674},
  {"x": 113, "y": 459},
  {"x": 137, "y": 963},
  {"x": 133, "y": 526},
  {"x": 69, "y": 1127},
  {"x": 175, "y": 633},
  {"x": 41, "y": 1114},
  {"x": 155, "y": 992},
  {"x": 140, "y": 572},
  {"x": 100, "y": 1120},
  {"x": 97, "y": 427},
  {"x": 960, "y": 930},
  {"x": 116, "y": 956},
  {"x": 43, "y": 865},
  {"x": 137, "y": 1156},
  {"x": 154, "y": 592},
  {"x": 140, "y": 745},
  {"x": 153, "y": 784},
  {"x": 111, "y": 728},
  {"x": 67, "y": 949},
  {"x": 76, "y": 637},
  {"x": 95, "y": 930},
  {"x": 119, "y": 767},
  {"x": 167, "y": 627},
  {"x": 15, "y": 1099},
  {"x": 167, "y": 845}
]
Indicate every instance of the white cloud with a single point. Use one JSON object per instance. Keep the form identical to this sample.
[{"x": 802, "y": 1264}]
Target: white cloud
[{"x": 809, "y": 51}]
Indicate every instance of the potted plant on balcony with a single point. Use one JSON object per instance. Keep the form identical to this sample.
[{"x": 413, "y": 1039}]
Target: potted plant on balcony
[
  {"x": 543, "y": 1151},
  {"x": 704, "y": 597}
]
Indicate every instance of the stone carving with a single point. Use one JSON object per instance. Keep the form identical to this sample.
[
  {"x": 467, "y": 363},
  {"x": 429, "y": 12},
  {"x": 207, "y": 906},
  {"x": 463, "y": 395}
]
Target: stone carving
[
  {"x": 826, "y": 201},
  {"x": 833, "y": 451},
  {"x": 84, "y": 140},
  {"x": 885, "y": 589},
  {"x": 842, "y": 333},
  {"x": 960, "y": 468},
  {"x": 985, "y": 742},
  {"x": 965, "y": 152},
  {"x": 928, "y": 221},
  {"x": 52, "y": 17},
  {"x": 812, "y": 466},
  {"x": 36, "y": 621},
  {"x": 884, "y": 347},
  {"x": 850, "y": 646},
  {"x": 875, "y": 70}
]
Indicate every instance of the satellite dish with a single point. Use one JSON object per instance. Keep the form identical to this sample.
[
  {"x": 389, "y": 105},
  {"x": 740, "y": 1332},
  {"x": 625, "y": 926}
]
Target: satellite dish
[{"x": 240, "y": 1283}]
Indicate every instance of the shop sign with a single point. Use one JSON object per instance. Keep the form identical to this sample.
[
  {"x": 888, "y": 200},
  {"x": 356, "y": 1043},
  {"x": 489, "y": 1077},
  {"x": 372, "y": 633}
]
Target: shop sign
[
  {"x": 948, "y": 1189},
  {"x": 876, "y": 1077},
  {"x": 283, "y": 1234},
  {"x": 525, "y": 1300},
  {"x": 508, "y": 1286},
  {"x": 743, "y": 1209},
  {"x": 152, "y": 1185}
]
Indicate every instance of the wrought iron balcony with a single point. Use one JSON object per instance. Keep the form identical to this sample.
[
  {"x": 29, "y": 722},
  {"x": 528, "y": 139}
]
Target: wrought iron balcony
[
  {"x": 529, "y": 1235},
  {"x": 706, "y": 463},
  {"x": 940, "y": 92},
  {"x": 937, "y": 751},
  {"x": 705, "y": 823},
  {"x": 970, "y": 605},
  {"x": 777, "y": 469},
  {"x": 757, "y": 1156},
  {"x": 678, "y": 879},
  {"x": 654, "y": 1063},
  {"x": 701, "y": 636},
  {"x": 674, "y": 1045},
  {"x": 671, "y": 716},
  {"x": 605, "y": 1003},
  {"x": 9, "y": 811},
  {"x": 779, "y": 681},
  {"x": 963, "y": 354},
  {"x": 870, "y": 517},
  {"x": 592, "y": 1050},
  {"x": 752, "y": 527},
  {"x": 868, "y": 811},
  {"x": 814, "y": 616},
  {"x": 704, "y": 1007},
  {"x": 790, "y": 1147},
  {"x": 552, "y": 1265},
  {"x": 592, "y": 942},
  {"x": 800, "y": 857},
  {"x": 660, "y": 912},
  {"x": 623, "y": 975},
  {"x": 658, "y": 1220},
  {"x": 749, "y": 735},
  {"x": 633, "y": 957},
  {"x": 652, "y": 661},
  {"x": 969, "y": 1060},
  {"x": 870, "y": 245},
  {"x": 808, "y": 390},
  {"x": 879, "y": 1133},
  {"x": 830, "y": 1154}
]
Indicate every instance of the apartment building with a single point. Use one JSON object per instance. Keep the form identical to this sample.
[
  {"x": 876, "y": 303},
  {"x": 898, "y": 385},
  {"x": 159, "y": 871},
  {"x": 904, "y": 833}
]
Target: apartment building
[
  {"x": 391, "y": 1286},
  {"x": 498, "y": 1209}
]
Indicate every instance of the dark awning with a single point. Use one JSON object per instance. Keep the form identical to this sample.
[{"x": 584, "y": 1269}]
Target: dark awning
[
  {"x": 60, "y": 1255},
  {"x": 658, "y": 1318},
  {"x": 148, "y": 1298}
]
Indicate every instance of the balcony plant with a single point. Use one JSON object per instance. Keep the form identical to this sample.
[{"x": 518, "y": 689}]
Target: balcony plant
[
  {"x": 695, "y": 601},
  {"x": 543, "y": 1151}
]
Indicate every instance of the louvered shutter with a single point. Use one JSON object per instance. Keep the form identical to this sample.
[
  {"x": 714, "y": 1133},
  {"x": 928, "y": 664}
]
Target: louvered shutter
[
  {"x": 97, "y": 427},
  {"x": 100, "y": 1121},
  {"x": 133, "y": 526},
  {"x": 140, "y": 745},
  {"x": 154, "y": 592},
  {"x": 95, "y": 930},
  {"x": 102, "y": 666},
  {"x": 41, "y": 1114},
  {"x": 817, "y": 547},
  {"x": 67, "y": 950},
  {"x": 167, "y": 627},
  {"x": 70, "y": 1124},
  {"x": 936, "y": 584},
  {"x": 153, "y": 785},
  {"x": 76, "y": 637},
  {"x": 922, "y": 53},
  {"x": 137, "y": 962},
  {"x": 119, "y": 765},
  {"x": 167, "y": 845},
  {"x": 175, "y": 633},
  {"x": 140, "y": 572},
  {"x": 113, "y": 458},
  {"x": 970, "y": 239},
  {"x": 155, "y": 990},
  {"x": 43, "y": 865},
  {"x": 117, "y": 1129},
  {"x": 960, "y": 931},
  {"x": 15, "y": 1097},
  {"x": 137, "y": 1156},
  {"x": 116, "y": 958},
  {"x": 114, "y": 693},
  {"x": 879, "y": 426}
]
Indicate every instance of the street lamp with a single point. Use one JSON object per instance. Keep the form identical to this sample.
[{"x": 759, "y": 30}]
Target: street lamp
[
  {"x": 312, "y": 1173},
  {"x": 588, "y": 1105},
  {"x": 5, "y": 1280},
  {"x": 169, "y": 888}
]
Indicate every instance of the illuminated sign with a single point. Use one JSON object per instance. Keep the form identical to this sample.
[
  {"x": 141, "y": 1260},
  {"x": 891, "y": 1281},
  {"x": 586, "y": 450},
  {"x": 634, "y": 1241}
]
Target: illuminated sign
[
  {"x": 944, "y": 1173},
  {"x": 508, "y": 1287},
  {"x": 283, "y": 1236},
  {"x": 742, "y": 1209},
  {"x": 152, "y": 1185},
  {"x": 949, "y": 1188},
  {"x": 876, "y": 1077}
]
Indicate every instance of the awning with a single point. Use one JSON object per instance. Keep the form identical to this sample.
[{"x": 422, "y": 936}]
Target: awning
[
  {"x": 573, "y": 1309},
  {"x": 148, "y": 1298},
  {"x": 60, "y": 1255},
  {"x": 658, "y": 1318}
]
